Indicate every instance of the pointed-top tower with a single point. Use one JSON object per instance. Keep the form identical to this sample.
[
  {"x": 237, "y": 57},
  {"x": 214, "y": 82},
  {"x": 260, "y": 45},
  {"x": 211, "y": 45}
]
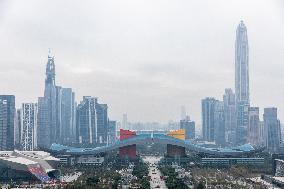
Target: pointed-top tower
[
  {"x": 242, "y": 64},
  {"x": 47, "y": 107},
  {"x": 50, "y": 70},
  {"x": 242, "y": 82}
]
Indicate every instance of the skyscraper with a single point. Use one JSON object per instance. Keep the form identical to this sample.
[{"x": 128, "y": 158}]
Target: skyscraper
[
  {"x": 58, "y": 115},
  {"x": 17, "y": 128},
  {"x": 124, "y": 122},
  {"x": 242, "y": 82},
  {"x": 7, "y": 119},
  {"x": 242, "y": 123},
  {"x": 213, "y": 121},
  {"x": 262, "y": 135},
  {"x": 28, "y": 131},
  {"x": 182, "y": 113},
  {"x": 208, "y": 130},
  {"x": 47, "y": 107},
  {"x": 87, "y": 121},
  {"x": 229, "y": 100},
  {"x": 272, "y": 129},
  {"x": 254, "y": 128},
  {"x": 219, "y": 123},
  {"x": 111, "y": 131},
  {"x": 66, "y": 113},
  {"x": 242, "y": 64},
  {"x": 189, "y": 127},
  {"x": 43, "y": 136},
  {"x": 102, "y": 122}
]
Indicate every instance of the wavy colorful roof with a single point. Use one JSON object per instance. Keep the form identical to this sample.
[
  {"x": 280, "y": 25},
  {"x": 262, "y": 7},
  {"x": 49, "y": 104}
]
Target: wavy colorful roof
[{"x": 156, "y": 138}]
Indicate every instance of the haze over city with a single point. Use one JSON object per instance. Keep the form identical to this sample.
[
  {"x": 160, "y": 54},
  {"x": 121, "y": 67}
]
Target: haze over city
[
  {"x": 144, "y": 58},
  {"x": 122, "y": 94}
]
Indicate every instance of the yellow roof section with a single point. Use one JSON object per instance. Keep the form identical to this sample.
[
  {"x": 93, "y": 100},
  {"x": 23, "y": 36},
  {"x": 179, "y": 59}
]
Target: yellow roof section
[{"x": 179, "y": 134}]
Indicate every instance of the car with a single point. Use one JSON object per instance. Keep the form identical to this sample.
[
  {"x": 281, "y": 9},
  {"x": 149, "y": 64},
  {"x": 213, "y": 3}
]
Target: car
[{"x": 158, "y": 186}]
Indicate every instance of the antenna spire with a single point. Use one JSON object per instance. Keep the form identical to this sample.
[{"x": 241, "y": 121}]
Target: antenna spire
[{"x": 49, "y": 53}]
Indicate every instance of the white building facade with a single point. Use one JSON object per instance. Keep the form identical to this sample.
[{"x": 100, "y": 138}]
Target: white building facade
[{"x": 28, "y": 127}]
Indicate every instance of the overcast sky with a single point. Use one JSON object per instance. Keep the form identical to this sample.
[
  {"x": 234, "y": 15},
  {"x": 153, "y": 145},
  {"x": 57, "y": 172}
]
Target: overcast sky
[{"x": 145, "y": 58}]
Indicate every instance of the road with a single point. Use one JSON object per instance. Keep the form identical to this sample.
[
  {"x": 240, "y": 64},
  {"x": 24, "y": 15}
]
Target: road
[{"x": 154, "y": 172}]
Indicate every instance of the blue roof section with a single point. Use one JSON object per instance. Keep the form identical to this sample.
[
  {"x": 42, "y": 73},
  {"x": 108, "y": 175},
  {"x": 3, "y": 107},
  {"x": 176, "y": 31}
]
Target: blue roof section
[{"x": 156, "y": 138}]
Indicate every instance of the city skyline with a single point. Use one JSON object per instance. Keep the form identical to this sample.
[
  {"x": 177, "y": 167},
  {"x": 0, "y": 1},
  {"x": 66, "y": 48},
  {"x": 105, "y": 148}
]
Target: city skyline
[
  {"x": 142, "y": 94},
  {"x": 168, "y": 77}
]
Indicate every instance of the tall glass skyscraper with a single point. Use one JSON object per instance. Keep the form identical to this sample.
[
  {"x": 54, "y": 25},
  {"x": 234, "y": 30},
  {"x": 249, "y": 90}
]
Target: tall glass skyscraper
[
  {"x": 253, "y": 129},
  {"x": 56, "y": 111},
  {"x": 272, "y": 129},
  {"x": 242, "y": 82},
  {"x": 102, "y": 122},
  {"x": 242, "y": 64},
  {"x": 87, "y": 121},
  {"x": 213, "y": 121},
  {"x": 47, "y": 108},
  {"x": 92, "y": 121},
  {"x": 229, "y": 100},
  {"x": 208, "y": 129},
  {"x": 219, "y": 123},
  {"x": 7, "y": 119},
  {"x": 111, "y": 132},
  {"x": 66, "y": 115}
]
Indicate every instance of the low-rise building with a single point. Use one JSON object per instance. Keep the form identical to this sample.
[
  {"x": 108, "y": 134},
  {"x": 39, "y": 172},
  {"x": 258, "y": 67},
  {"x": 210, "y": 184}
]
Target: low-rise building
[
  {"x": 35, "y": 165},
  {"x": 225, "y": 162}
]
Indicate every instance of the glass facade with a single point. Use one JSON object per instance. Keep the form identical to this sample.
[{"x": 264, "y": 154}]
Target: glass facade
[
  {"x": 7, "y": 120},
  {"x": 242, "y": 82}
]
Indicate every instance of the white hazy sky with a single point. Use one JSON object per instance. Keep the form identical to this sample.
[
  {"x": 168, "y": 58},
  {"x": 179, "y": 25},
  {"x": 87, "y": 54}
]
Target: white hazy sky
[{"x": 145, "y": 58}]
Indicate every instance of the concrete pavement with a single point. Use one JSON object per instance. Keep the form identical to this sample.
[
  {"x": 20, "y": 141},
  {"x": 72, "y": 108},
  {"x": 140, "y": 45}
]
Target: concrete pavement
[{"x": 154, "y": 172}]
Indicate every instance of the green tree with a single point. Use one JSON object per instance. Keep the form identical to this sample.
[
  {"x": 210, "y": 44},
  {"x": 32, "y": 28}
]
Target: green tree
[{"x": 200, "y": 186}]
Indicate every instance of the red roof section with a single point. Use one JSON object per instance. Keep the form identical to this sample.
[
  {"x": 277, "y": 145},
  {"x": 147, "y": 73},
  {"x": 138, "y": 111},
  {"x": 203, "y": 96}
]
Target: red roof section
[{"x": 125, "y": 134}]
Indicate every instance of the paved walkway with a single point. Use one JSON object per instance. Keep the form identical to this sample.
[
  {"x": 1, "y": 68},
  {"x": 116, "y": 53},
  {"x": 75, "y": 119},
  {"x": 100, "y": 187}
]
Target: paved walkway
[{"x": 154, "y": 172}]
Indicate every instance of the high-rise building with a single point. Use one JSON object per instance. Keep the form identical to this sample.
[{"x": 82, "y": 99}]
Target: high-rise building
[
  {"x": 213, "y": 121},
  {"x": 242, "y": 64},
  {"x": 58, "y": 115},
  {"x": 272, "y": 129},
  {"x": 7, "y": 120},
  {"x": 47, "y": 107},
  {"x": 262, "y": 134},
  {"x": 92, "y": 121},
  {"x": 229, "y": 100},
  {"x": 66, "y": 114},
  {"x": 124, "y": 122},
  {"x": 50, "y": 96},
  {"x": 56, "y": 111},
  {"x": 182, "y": 113},
  {"x": 102, "y": 122},
  {"x": 111, "y": 132},
  {"x": 87, "y": 121},
  {"x": 219, "y": 123},
  {"x": 242, "y": 123},
  {"x": 189, "y": 127},
  {"x": 3, "y": 125},
  {"x": 253, "y": 130},
  {"x": 43, "y": 130},
  {"x": 242, "y": 82},
  {"x": 208, "y": 108},
  {"x": 17, "y": 129},
  {"x": 28, "y": 134}
]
